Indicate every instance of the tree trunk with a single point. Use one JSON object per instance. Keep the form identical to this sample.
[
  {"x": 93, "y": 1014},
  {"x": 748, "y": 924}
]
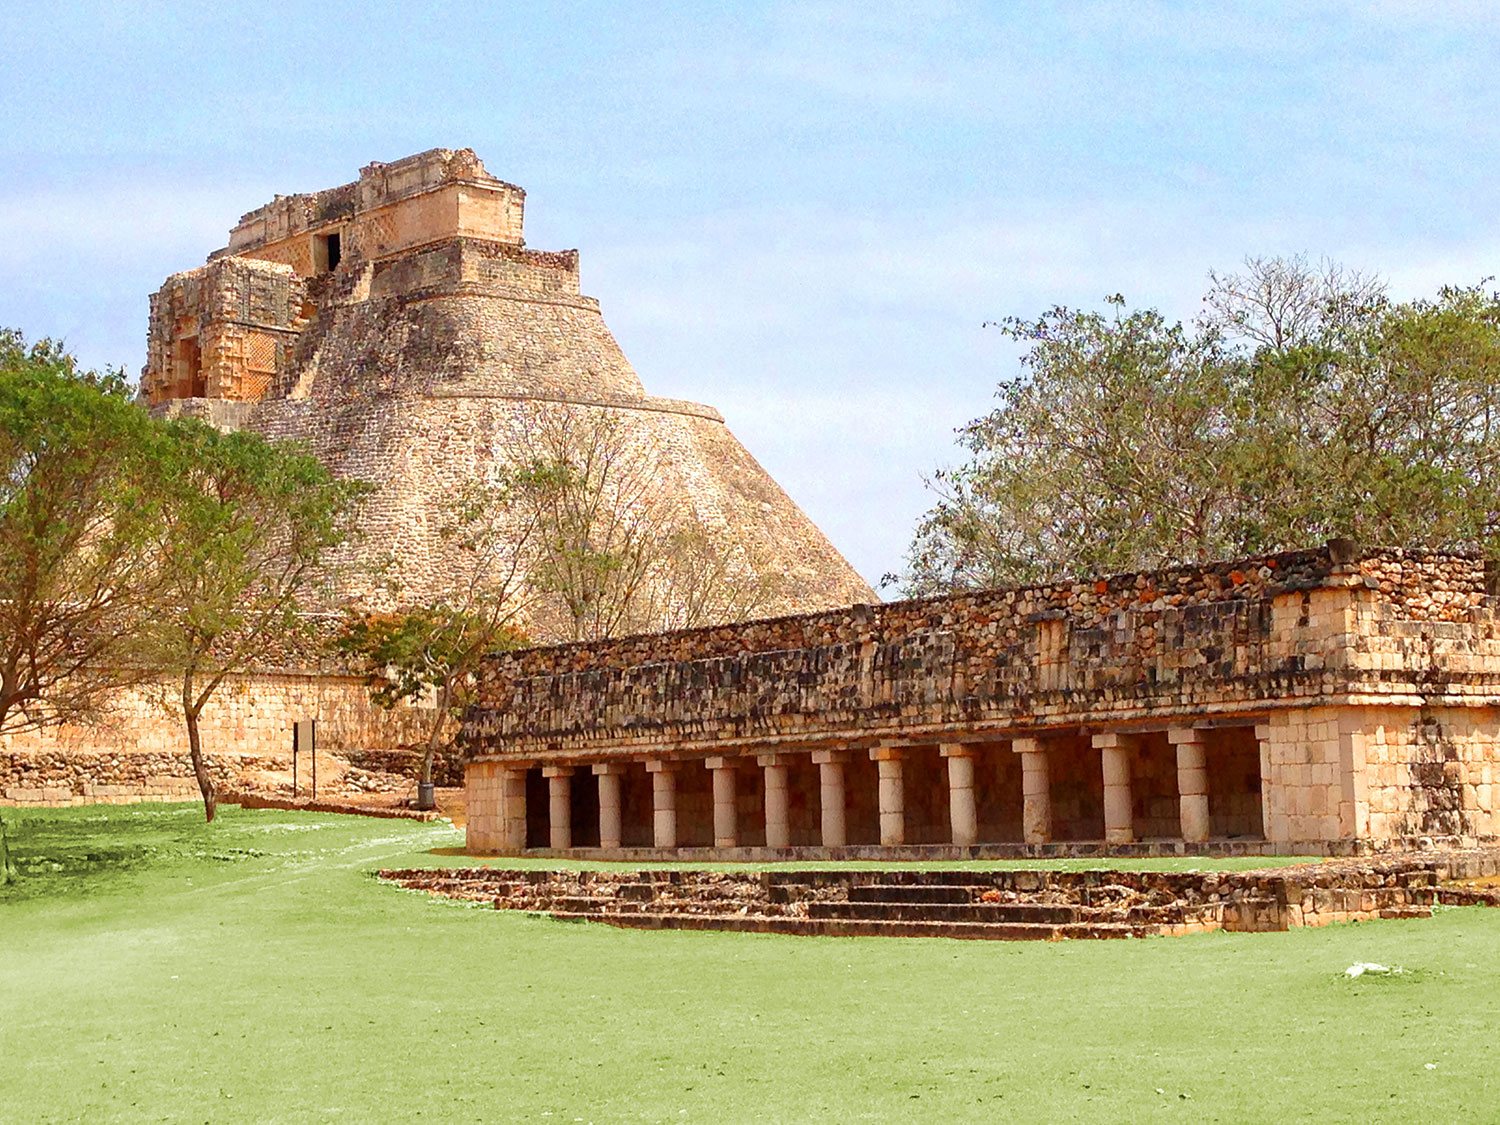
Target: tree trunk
[
  {"x": 7, "y": 869},
  {"x": 434, "y": 736},
  {"x": 190, "y": 711}
]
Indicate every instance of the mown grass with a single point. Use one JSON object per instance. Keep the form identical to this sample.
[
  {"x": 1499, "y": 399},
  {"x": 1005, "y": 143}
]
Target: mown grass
[{"x": 152, "y": 967}]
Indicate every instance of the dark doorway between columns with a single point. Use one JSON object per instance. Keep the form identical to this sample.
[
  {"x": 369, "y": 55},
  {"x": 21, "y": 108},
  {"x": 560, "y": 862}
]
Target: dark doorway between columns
[
  {"x": 861, "y": 799},
  {"x": 998, "y": 793},
  {"x": 695, "y": 805},
  {"x": 637, "y": 808},
  {"x": 1234, "y": 798},
  {"x": 538, "y": 810},
  {"x": 749, "y": 804},
  {"x": 583, "y": 810},
  {"x": 924, "y": 779},
  {"x": 1076, "y": 777},
  {"x": 803, "y": 811},
  {"x": 1156, "y": 809}
]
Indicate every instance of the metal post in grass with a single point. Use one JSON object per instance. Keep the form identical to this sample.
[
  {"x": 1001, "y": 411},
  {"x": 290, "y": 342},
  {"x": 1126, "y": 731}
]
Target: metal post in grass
[{"x": 305, "y": 737}]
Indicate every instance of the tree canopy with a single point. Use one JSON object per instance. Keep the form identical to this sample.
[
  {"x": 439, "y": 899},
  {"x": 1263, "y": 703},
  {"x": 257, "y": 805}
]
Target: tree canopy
[
  {"x": 75, "y": 513},
  {"x": 1303, "y": 404},
  {"x": 243, "y": 544}
]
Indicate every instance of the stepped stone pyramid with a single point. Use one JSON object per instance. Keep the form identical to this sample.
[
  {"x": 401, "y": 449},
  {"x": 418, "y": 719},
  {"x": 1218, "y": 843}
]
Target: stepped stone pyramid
[{"x": 400, "y": 326}]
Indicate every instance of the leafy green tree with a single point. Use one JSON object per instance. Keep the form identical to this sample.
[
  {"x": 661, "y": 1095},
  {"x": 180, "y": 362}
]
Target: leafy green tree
[
  {"x": 245, "y": 543},
  {"x": 433, "y": 650},
  {"x": 74, "y": 515},
  {"x": 1304, "y": 404}
]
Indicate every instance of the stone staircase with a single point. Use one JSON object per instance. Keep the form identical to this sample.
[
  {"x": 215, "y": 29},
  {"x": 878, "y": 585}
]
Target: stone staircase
[{"x": 1007, "y": 904}]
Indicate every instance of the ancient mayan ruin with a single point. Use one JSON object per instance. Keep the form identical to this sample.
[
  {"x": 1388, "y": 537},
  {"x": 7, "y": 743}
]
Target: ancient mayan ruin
[
  {"x": 401, "y": 327},
  {"x": 1335, "y": 700}
]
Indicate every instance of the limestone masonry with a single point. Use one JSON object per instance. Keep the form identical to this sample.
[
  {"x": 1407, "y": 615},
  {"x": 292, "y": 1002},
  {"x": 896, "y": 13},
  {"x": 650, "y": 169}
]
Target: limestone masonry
[
  {"x": 400, "y": 326},
  {"x": 1330, "y": 700}
]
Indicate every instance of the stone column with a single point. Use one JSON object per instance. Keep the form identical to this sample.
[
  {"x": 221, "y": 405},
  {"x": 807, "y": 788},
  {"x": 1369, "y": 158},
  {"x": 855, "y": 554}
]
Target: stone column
[
  {"x": 892, "y": 796},
  {"x": 1036, "y": 790},
  {"x": 1114, "y": 755},
  {"x": 611, "y": 803},
  {"x": 664, "y": 801},
  {"x": 778, "y": 811},
  {"x": 726, "y": 834},
  {"x": 559, "y": 806},
  {"x": 1192, "y": 782},
  {"x": 831, "y": 795},
  {"x": 1272, "y": 826},
  {"x": 963, "y": 813},
  {"x": 513, "y": 808}
]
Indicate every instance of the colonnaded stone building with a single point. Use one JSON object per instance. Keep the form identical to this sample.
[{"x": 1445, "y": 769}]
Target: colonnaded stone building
[
  {"x": 1331, "y": 700},
  {"x": 400, "y": 327}
]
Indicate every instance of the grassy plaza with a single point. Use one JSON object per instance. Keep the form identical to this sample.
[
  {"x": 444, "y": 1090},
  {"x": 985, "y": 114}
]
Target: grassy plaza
[{"x": 157, "y": 968}]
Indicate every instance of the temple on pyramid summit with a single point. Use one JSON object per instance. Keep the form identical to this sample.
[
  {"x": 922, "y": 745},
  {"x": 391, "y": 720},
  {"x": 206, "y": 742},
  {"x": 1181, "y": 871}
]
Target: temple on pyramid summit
[{"x": 400, "y": 326}]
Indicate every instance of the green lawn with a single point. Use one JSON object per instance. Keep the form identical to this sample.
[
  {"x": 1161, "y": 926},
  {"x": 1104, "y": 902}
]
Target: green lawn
[{"x": 152, "y": 967}]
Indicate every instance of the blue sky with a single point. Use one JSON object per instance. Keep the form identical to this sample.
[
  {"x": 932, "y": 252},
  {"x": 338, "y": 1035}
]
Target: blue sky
[{"x": 800, "y": 213}]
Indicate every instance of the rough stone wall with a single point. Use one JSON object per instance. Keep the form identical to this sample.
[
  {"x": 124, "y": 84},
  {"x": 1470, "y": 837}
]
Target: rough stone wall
[
  {"x": 1362, "y": 686},
  {"x": 1311, "y": 628},
  {"x": 139, "y": 748}
]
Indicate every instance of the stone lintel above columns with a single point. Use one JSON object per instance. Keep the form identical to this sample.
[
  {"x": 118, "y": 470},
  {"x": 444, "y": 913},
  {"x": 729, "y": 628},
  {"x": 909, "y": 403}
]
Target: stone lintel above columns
[
  {"x": 558, "y": 770},
  {"x": 662, "y": 765},
  {"x": 610, "y": 769},
  {"x": 1026, "y": 744},
  {"x": 958, "y": 749},
  {"x": 722, "y": 762},
  {"x": 886, "y": 753},
  {"x": 829, "y": 757},
  {"x": 1185, "y": 736},
  {"x": 774, "y": 758}
]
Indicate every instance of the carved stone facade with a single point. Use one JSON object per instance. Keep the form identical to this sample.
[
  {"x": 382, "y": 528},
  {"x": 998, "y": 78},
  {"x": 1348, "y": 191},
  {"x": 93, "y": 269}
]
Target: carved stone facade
[
  {"x": 400, "y": 326},
  {"x": 1327, "y": 700}
]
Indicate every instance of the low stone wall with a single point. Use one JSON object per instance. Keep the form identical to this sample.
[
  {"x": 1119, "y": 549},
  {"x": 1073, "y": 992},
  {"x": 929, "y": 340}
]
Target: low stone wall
[
  {"x": 388, "y": 812},
  {"x": 138, "y": 750}
]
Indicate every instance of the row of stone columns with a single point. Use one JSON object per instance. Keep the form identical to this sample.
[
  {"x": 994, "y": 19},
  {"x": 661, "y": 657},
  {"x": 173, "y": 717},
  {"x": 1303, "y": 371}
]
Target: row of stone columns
[{"x": 1036, "y": 789}]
